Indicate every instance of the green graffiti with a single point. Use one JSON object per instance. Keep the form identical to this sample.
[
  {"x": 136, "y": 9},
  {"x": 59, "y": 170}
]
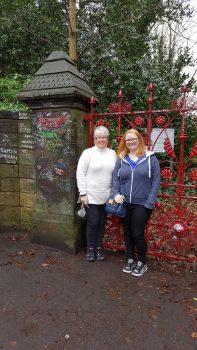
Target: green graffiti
[{"x": 48, "y": 135}]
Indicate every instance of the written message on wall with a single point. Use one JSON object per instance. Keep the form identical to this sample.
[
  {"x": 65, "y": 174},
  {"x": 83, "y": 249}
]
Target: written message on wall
[
  {"x": 8, "y": 141},
  {"x": 55, "y": 140}
]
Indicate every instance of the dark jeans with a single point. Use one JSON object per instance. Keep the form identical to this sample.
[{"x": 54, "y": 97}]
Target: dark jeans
[
  {"x": 134, "y": 224},
  {"x": 96, "y": 219}
]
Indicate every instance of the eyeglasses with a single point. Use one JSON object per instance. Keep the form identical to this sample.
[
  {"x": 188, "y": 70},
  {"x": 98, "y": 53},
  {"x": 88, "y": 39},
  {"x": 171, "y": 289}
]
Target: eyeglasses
[
  {"x": 101, "y": 138},
  {"x": 131, "y": 140}
]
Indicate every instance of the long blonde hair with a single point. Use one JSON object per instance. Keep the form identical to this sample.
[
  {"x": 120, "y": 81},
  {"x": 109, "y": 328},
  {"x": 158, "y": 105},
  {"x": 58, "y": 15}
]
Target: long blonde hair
[{"x": 122, "y": 148}]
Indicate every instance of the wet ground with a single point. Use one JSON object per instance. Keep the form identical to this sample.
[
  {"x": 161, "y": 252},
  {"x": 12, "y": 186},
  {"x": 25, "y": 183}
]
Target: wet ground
[{"x": 52, "y": 300}]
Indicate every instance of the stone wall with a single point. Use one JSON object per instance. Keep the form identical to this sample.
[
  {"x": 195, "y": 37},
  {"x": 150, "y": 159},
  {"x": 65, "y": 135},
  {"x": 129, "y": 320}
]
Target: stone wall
[
  {"x": 17, "y": 171},
  {"x": 39, "y": 152}
]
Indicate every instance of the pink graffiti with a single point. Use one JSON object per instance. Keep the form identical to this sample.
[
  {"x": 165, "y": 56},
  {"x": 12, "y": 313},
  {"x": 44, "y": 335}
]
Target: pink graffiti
[{"x": 52, "y": 122}]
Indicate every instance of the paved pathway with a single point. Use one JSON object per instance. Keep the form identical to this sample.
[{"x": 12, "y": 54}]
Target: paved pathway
[{"x": 51, "y": 300}]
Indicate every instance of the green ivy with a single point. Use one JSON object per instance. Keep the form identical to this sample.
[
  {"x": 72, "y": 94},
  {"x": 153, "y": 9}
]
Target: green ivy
[{"x": 9, "y": 90}]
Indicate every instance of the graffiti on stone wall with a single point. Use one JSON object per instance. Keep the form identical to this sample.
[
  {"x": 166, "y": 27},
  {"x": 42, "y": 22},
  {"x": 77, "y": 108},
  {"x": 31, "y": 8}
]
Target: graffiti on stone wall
[
  {"x": 8, "y": 155},
  {"x": 26, "y": 141},
  {"x": 55, "y": 140},
  {"x": 8, "y": 148}
]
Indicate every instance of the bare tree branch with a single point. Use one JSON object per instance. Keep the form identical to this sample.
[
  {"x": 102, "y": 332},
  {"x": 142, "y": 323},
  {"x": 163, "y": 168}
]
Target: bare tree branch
[
  {"x": 96, "y": 63},
  {"x": 67, "y": 15},
  {"x": 174, "y": 30},
  {"x": 101, "y": 17},
  {"x": 29, "y": 31},
  {"x": 133, "y": 19}
]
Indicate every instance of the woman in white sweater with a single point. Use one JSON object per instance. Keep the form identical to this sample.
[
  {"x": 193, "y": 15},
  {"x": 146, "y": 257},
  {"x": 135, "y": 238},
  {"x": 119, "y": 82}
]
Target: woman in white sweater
[{"x": 94, "y": 177}]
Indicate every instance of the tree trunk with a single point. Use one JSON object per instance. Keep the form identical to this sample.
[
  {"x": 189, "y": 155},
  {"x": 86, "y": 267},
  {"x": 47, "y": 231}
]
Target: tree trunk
[{"x": 72, "y": 31}]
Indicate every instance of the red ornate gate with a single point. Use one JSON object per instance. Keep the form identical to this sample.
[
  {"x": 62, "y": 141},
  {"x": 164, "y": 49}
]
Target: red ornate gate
[{"x": 172, "y": 230}]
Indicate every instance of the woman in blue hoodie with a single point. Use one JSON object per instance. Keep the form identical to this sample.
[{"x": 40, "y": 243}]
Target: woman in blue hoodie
[{"x": 136, "y": 180}]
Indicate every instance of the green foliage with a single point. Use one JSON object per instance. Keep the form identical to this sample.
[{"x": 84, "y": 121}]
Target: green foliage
[
  {"x": 123, "y": 51},
  {"x": 118, "y": 47},
  {"x": 29, "y": 31},
  {"x": 9, "y": 89},
  {"x": 118, "y": 39}
]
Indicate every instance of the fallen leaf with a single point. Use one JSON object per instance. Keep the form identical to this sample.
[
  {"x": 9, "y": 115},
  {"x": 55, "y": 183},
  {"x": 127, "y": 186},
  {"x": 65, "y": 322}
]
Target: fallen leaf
[
  {"x": 20, "y": 253},
  {"x": 194, "y": 335},
  {"x": 52, "y": 260},
  {"x": 115, "y": 294},
  {"x": 13, "y": 343},
  {"x": 29, "y": 252},
  {"x": 140, "y": 284}
]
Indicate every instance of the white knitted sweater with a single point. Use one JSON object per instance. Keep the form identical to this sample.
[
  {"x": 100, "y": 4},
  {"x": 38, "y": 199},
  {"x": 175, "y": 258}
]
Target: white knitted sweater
[{"x": 94, "y": 174}]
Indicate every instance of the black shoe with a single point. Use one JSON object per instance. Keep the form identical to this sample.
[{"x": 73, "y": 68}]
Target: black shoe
[
  {"x": 90, "y": 255},
  {"x": 131, "y": 264},
  {"x": 139, "y": 269},
  {"x": 99, "y": 254}
]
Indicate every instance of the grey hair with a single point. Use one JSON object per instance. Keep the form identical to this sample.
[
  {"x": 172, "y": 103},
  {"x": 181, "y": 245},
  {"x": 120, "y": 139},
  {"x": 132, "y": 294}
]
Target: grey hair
[{"x": 101, "y": 130}]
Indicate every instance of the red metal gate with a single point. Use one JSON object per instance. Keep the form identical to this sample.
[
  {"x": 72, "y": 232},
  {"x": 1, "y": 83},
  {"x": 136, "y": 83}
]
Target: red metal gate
[{"x": 172, "y": 230}]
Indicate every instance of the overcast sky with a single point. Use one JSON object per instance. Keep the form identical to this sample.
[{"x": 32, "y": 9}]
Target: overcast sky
[{"x": 191, "y": 33}]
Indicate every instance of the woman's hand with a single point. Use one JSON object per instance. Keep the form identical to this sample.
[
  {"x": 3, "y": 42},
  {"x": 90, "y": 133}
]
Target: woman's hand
[
  {"x": 119, "y": 198},
  {"x": 84, "y": 200}
]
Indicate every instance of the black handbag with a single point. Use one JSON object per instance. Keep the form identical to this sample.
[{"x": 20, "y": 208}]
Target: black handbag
[{"x": 113, "y": 208}]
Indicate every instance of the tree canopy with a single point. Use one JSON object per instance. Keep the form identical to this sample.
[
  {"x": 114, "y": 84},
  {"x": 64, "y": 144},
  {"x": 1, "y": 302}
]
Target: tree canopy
[{"x": 120, "y": 44}]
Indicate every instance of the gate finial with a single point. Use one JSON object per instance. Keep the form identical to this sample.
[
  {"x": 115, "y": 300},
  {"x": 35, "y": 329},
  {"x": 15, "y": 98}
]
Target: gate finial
[
  {"x": 151, "y": 86},
  {"x": 120, "y": 93},
  {"x": 184, "y": 88},
  {"x": 92, "y": 100}
]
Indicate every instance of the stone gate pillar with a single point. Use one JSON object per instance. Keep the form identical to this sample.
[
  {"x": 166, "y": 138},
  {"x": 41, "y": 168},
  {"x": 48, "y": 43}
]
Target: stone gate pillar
[{"x": 58, "y": 97}]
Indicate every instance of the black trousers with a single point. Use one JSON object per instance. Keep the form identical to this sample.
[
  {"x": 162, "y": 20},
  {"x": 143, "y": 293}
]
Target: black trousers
[
  {"x": 134, "y": 224},
  {"x": 96, "y": 219}
]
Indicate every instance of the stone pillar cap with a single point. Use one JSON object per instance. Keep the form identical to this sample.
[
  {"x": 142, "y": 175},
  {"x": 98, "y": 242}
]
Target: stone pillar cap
[{"x": 57, "y": 78}]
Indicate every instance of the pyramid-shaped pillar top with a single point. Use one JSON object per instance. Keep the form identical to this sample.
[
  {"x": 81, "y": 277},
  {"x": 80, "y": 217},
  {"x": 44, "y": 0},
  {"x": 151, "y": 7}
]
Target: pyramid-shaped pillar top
[{"x": 57, "y": 79}]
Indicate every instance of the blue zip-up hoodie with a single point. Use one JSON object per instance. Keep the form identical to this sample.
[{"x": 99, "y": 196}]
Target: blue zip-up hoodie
[{"x": 139, "y": 185}]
